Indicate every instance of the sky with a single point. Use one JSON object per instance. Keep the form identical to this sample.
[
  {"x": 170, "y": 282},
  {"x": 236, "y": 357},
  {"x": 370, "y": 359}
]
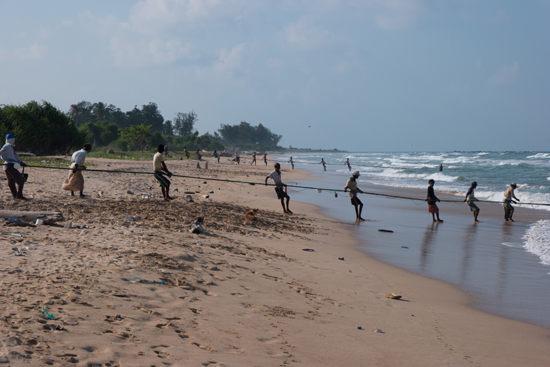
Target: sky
[{"x": 356, "y": 75}]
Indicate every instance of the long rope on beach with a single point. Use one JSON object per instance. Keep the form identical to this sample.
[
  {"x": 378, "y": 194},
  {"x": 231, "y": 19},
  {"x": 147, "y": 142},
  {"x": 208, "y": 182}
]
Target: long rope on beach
[{"x": 319, "y": 189}]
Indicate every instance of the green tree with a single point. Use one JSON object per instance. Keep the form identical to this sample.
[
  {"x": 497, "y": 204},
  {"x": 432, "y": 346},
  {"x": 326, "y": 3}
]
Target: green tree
[
  {"x": 138, "y": 135},
  {"x": 40, "y": 128},
  {"x": 167, "y": 128},
  {"x": 184, "y": 123},
  {"x": 152, "y": 116}
]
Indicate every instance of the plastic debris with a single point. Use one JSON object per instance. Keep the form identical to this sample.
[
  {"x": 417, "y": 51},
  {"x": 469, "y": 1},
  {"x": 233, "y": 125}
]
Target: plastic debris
[
  {"x": 69, "y": 224},
  {"x": 360, "y": 328},
  {"x": 340, "y": 258},
  {"x": 378, "y": 331},
  {"x": 335, "y": 195},
  {"x": 39, "y": 222},
  {"x": 196, "y": 226},
  {"x": 17, "y": 234},
  {"x": 404, "y": 247},
  {"x": 385, "y": 230},
  {"x": 139, "y": 280},
  {"x": 14, "y": 220},
  {"x": 392, "y": 296},
  {"x": 189, "y": 199},
  {"x": 308, "y": 249},
  {"x": 49, "y": 315},
  {"x": 130, "y": 192}
]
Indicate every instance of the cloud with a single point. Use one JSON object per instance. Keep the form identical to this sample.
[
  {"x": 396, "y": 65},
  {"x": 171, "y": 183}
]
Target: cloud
[
  {"x": 506, "y": 74},
  {"x": 386, "y": 14},
  {"x": 305, "y": 35},
  {"x": 145, "y": 52},
  {"x": 230, "y": 62},
  {"x": 33, "y": 52}
]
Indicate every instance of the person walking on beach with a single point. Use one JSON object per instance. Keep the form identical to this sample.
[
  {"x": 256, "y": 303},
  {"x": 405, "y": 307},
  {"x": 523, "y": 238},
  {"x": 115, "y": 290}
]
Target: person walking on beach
[
  {"x": 75, "y": 181},
  {"x": 347, "y": 164},
  {"x": 216, "y": 155},
  {"x": 508, "y": 200},
  {"x": 11, "y": 161},
  {"x": 471, "y": 199},
  {"x": 237, "y": 158},
  {"x": 353, "y": 190},
  {"x": 166, "y": 151},
  {"x": 291, "y": 162},
  {"x": 161, "y": 171},
  {"x": 198, "y": 153},
  {"x": 280, "y": 187},
  {"x": 265, "y": 159},
  {"x": 186, "y": 152},
  {"x": 253, "y": 158},
  {"x": 432, "y": 200},
  {"x": 323, "y": 163}
]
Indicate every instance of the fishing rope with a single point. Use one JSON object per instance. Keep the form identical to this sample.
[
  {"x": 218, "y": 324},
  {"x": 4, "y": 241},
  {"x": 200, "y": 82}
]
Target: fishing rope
[{"x": 290, "y": 186}]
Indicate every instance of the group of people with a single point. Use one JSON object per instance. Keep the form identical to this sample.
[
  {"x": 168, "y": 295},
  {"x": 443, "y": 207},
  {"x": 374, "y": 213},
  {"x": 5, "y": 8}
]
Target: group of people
[
  {"x": 470, "y": 199},
  {"x": 75, "y": 181}
]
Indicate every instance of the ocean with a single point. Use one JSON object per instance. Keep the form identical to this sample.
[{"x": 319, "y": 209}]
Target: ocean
[{"x": 506, "y": 269}]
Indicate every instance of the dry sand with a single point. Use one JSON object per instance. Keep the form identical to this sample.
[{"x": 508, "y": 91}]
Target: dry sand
[{"x": 245, "y": 294}]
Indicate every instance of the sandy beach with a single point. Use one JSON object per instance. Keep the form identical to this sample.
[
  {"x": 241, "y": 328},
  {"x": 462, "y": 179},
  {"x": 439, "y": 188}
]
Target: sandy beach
[{"x": 267, "y": 293}]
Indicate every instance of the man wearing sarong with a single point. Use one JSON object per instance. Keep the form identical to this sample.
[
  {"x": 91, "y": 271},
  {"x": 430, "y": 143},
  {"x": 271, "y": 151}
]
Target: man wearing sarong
[
  {"x": 161, "y": 171},
  {"x": 353, "y": 190},
  {"x": 432, "y": 201},
  {"x": 11, "y": 162},
  {"x": 75, "y": 181}
]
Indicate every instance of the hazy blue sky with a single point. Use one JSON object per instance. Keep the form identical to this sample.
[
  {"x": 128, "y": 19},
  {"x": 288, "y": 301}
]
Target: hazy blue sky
[{"x": 370, "y": 75}]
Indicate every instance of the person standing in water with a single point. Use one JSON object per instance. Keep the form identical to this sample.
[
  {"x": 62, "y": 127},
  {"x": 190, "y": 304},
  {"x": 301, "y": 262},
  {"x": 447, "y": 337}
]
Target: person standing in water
[
  {"x": 7, "y": 153},
  {"x": 291, "y": 162},
  {"x": 432, "y": 200},
  {"x": 347, "y": 164},
  {"x": 280, "y": 187},
  {"x": 508, "y": 200},
  {"x": 353, "y": 190},
  {"x": 471, "y": 199},
  {"x": 323, "y": 163}
]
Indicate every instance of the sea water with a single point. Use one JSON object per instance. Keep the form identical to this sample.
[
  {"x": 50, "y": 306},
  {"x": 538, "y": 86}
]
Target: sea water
[
  {"x": 506, "y": 268},
  {"x": 493, "y": 171}
]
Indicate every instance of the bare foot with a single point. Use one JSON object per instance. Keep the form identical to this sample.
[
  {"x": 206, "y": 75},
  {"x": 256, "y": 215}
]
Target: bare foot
[
  {"x": 440, "y": 220},
  {"x": 475, "y": 220},
  {"x": 289, "y": 212},
  {"x": 511, "y": 220},
  {"x": 361, "y": 219}
]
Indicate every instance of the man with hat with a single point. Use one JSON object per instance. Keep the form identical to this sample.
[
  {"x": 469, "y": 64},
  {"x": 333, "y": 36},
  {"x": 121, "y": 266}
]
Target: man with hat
[
  {"x": 280, "y": 187},
  {"x": 353, "y": 190},
  {"x": 11, "y": 162},
  {"x": 507, "y": 203}
]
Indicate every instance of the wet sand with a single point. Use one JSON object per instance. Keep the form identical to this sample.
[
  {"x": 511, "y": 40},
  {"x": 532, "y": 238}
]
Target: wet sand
[{"x": 245, "y": 294}]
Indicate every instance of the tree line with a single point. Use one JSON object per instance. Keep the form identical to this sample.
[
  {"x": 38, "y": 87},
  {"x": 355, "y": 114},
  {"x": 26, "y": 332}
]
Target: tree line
[{"x": 43, "y": 129}]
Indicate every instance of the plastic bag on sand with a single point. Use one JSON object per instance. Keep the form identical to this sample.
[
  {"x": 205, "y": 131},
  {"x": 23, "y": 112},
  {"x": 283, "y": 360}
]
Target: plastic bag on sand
[{"x": 196, "y": 227}]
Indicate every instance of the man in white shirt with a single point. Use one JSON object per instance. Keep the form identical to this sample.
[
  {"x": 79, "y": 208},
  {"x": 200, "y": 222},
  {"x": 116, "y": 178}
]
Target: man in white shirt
[
  {"x": 280, "y": 187},
  {"x": 11, "y": 162}
]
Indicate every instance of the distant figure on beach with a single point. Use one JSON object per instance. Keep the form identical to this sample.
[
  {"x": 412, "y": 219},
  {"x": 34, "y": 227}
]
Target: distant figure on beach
[
  {"x": 7, "y": 153},
  {"x": 291, "y": 162},
  {"x": 507, "y": 203},
  {"x": 198, "y": 153},
  {"x": 323, "y": 163},
  {"x": 237, "y": 158},
  {"x": 166, "y": 151},
  {"x": 353, "y": 190},
  {"x": 432, "y": 200},
  {"x": 280, "y": 187},
  {"x": 186, "y": 152},
  {"x": 75, "y": 181},
  {"x": 471, "y": 199},
  {"x": 347, "y": 164},
  {"x": 265, "y": 159},
  {"x": 161, "y": 171},
  {"x": 440, "y": 167},
  {"x": 253, "y": 158},
  {"x": 216, "y": 155}
]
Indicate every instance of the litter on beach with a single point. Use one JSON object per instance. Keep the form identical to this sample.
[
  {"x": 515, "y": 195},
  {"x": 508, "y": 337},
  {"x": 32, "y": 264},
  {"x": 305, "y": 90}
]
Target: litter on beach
[
  {"x": 139, "y": 280},
  {"x": 385, "y": 230}
]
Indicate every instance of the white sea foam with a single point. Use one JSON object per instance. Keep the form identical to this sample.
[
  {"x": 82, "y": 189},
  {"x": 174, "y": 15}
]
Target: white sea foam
[
  {"x": 539, "y": 156},
  {"x": 537, "y": 240}
]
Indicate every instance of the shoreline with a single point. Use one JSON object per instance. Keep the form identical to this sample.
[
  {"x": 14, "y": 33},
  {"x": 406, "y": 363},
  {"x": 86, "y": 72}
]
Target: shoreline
[{"x": 244, "y": 294}]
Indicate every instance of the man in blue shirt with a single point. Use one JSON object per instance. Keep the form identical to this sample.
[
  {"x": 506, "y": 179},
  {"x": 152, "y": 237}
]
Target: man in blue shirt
[{"x": 11, "y": 161}]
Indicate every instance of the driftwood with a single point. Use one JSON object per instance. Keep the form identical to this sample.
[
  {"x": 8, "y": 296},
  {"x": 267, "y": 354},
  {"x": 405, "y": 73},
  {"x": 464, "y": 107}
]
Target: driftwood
[{"x": 47, "y": 217}]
